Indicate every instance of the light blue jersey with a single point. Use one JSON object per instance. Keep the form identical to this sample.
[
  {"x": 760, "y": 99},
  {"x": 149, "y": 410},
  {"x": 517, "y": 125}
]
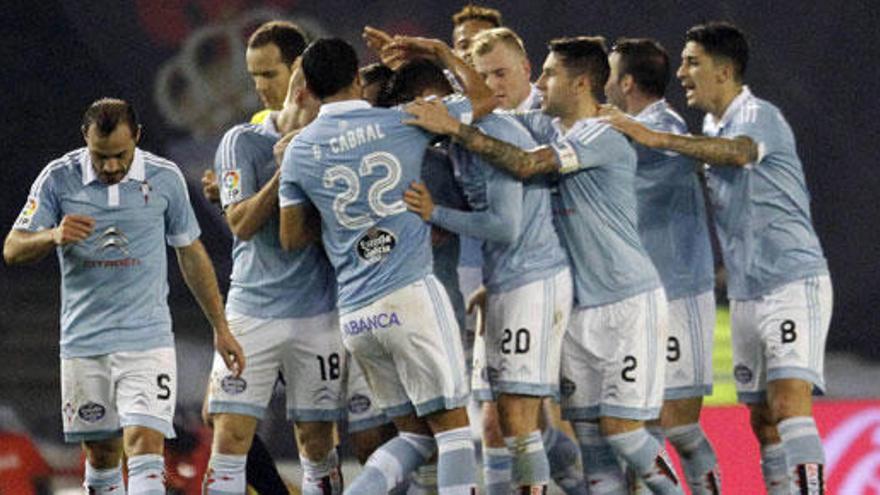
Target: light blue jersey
[
  {"x": 354, "y": 163},
  {"x": 114, "y": 284},
  {"x": 596, "y": 209},
  {"x": 672, "y": 213},
  {"x": 267, "y": 281},
  {"x": 513, "y": 219},
  {"x": 762, "y": 210}
]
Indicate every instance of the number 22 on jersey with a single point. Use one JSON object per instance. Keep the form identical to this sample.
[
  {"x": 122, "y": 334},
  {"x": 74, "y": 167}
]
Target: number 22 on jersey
[{"x": 352, "y": 190}]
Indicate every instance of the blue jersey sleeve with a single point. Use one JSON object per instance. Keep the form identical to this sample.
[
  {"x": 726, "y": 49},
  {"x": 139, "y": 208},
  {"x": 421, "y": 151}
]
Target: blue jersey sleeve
[
  {"x": 538, "y": 124},
  {"x": 181, "y": 226},
  {"x": 41, "y": 210},
  {"x": 765, "y": 125},
  {"x": 235, "y": 168},
  {"x": 289, "y": 191},
  {"x": 499, "y": 222},
  {"x": 587, "y": 146},
  {"x": 459, "y": 106}
]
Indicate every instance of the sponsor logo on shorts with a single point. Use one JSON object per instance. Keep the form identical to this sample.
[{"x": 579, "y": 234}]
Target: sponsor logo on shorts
[
  {"x": 359, "y": 403},
  {"x": 375, "y": 245},
  {"x": 742, "y": 373},
  {"x": 91, "y": 412},
  {"x": 370, "y": 323},
  {"x": 233, "y": 385},
  {"x": 324, "y": 395},
  {"x": 567, "y": 387}
]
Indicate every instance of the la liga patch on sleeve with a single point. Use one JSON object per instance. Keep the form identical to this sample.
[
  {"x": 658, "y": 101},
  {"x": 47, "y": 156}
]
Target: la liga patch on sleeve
[
  {"x": 27, "y": 213},
  {"x": 231, "y": 185}
]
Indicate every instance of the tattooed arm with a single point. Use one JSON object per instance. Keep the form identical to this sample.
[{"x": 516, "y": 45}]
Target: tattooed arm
[
  {"x": 738, "y": 151},
  {"x": 433, "y": 117}
]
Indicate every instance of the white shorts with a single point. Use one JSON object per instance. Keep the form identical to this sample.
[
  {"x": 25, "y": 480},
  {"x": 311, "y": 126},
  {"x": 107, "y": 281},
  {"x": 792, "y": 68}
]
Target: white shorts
[
  {"x": 523, "y": 340},
  {"x": 308, "y": 354},
  {"x": 102, "y": 394},
  {"x": 363, "y": 413},
  {"x": 781, "y": 335},
  {"x": 481, "y": 390},
  {"x": 689, "y": 346},
  {"x": 612, "y": 359},
  {"x": 409, "y": 347}
]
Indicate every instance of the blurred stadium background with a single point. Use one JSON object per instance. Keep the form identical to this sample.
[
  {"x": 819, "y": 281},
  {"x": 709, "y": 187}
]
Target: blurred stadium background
[{"x": 181, "y": 63}]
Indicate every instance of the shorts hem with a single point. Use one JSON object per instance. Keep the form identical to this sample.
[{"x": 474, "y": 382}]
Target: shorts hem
[
  {"x": 399, "y": 410},
  {"x": 612, "y": 411},
  {"x": 317, "y": 415},
  {"x": 91, "y": 436},
  {"x": 151, "y": 422},
  {"x": 521, "y": 388},
  {"x": 805, "y": 374},
  {"x": 440, "y": 404},
  {"x": 360, "y": 425},
  {"x": 483, "y": 395},
  {"x": 688, "y": 392},
  {"x": 224, "y": 407}
]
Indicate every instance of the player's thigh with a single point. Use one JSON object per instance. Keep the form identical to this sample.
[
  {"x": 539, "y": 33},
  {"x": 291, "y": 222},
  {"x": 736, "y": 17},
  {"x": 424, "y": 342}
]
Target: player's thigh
[
  {"x": 364, "y": 414},
  {"x": 688, "y": 348},
  {"x": 146, "y": 388},
  {"x": 314, "y": 363},
  {"x": 426, "y": 346},
  {"x": 583, "y": 359},
  {"x": 88, "y": 398},
  {"x": 793, "y": 324},
  {"x": 525, "y": 327},
  {"x": 263, "y": 342},
  {"x": 749, "y": 363},
  {"x": 633, "y": 377}
]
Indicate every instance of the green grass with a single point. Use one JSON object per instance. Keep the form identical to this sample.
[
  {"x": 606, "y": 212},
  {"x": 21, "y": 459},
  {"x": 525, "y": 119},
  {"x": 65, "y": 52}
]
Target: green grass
[{"x": 724, "y": 391}]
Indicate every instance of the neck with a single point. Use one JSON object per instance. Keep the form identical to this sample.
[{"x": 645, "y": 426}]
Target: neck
[
  {"x": 637, "y": 102},
  {"x": 584, "y": 108},
  {"x": 725, "y": 98},
  {"x": 523, "y": 97},
  {"x": 349, "y": 93}
]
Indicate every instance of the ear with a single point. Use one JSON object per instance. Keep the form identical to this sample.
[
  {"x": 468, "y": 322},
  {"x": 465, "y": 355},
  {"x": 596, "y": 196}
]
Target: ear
[
  {"x": 583, "y": 85},
  {"x": 725, "y": 72},
  {"x": 85, "y": 133},
  {"x": 627, "y": 84},
  {"x": 527, "y": 67},
  {"x": 137, "y": 134}
]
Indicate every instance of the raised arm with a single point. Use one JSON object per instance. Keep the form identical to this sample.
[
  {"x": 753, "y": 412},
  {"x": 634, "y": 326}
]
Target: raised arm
[
  {"x": 247, "y": 217},
  {"x": 433, "y": 117},
  {"x": 198, "y": 273},
  {"x": 22, "y": 246},
  {"x": 738, "y": 151}
]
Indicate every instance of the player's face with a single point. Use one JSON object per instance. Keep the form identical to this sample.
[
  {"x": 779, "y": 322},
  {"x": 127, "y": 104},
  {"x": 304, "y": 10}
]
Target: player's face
[
  {"x": 270, "y": 74},
  {"x": 557, "y": 87},
  {"x": 613, "y": 90},
  {"x": 507, "y": 74},
  {"x": 700, "y": 76},
  {"x": 463, "y": 33},
  {"x": 113, "y": 154}
]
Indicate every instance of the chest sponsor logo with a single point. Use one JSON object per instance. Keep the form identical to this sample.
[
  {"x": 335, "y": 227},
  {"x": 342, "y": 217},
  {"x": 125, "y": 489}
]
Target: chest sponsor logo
[
  {"x": 91, "y": 412},
  {"x": 375, "y": 245},
  {"x": 369, "y": 323},
  {"x": 111, "y": 241}
]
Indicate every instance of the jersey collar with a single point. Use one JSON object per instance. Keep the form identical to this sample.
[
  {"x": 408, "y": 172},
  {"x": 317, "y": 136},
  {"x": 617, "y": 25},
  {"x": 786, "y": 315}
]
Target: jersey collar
[
  {"x": 532, "y": 101},
  {"x": 268, "y": 124},
  {"x": 735, "y": 105},
  {"x": 656, "y": 107},
  {"x": 342, "y": 107},
  {"x": 136, "y": 172}
]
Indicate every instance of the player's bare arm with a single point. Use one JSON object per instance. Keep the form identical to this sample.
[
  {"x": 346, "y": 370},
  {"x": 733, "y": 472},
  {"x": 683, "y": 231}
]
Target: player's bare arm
[
  {"x": 247, "y": 217},
  {"x": 300, "y": 226},
  {"x": 210, "y": 187},
  {"x": 418, "y": 200},
  {"x": 198, "y": 273},
  {"x": 481, "y": 97},
  {"x": 738, "y": 151},
  {"x": 29, "y": 247},
  {"x": 433, "y": 117}
]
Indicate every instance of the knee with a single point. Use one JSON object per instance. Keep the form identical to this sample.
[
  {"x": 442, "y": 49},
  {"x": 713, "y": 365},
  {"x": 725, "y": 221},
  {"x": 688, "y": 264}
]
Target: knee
[
  {"x": 315, "y": 439},
  {"x": 140, "y": 440},
  {"x": 492, "y": 434},
  {"x": 103, "y": 454},
  {"x": 763, "y": 425},
  {"x": 789, "y": 398},
  {"x": 233, "y": 435}
]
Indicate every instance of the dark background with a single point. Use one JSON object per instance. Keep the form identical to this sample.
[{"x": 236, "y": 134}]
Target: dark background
[{"x": 817, "y": 61}]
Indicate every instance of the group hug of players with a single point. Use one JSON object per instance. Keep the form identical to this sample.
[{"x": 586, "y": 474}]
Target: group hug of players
[{"x": 347, "y": 202}]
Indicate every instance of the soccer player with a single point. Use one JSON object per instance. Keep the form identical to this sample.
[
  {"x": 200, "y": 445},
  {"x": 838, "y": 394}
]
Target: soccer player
[
  {"x": 107, "y": 210},
  {"x": 282, "y": 307},
  {"x": 675, "y": 232},
  {"x": 611, "y": 370},
  {"x": 778, "y": 279},
  {"x": 353, "y": 164},
  {"x": 529, "y": 287},
  {"x": 500, "y": 57},
  {"x": 469, "y": 21}
]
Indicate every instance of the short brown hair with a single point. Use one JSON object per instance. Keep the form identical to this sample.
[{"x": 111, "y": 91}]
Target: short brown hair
[
  {"x": 585, "y": 55},
  {"x": 471, "y": 12},
  {"x": 287, "y": 36},
  {"x": 486, "y": 41},
  {"x": 107, "y": 113}
]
